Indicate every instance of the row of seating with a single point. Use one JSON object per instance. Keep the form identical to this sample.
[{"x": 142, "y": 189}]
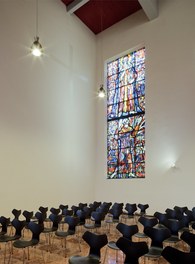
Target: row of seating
[{"x": 72, "y": 217}]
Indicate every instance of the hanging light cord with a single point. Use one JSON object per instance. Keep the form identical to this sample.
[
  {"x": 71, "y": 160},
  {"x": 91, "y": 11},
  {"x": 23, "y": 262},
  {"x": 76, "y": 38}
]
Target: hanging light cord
[{"x": 37, "y": 18}]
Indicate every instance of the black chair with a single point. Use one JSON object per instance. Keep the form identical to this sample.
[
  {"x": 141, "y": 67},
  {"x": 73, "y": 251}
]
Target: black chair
[
  {"x": 132, "y": 250},
  {"x": 82, "y": 205},
  {"x": 145, "y": 222},
  {"x": 114, "y": 213},
  {"x": 82, "y": 216},
  {"x": 95, "y": 242},
  {"x": 189, "y": 238},
  {"x": 176, "y": 256},
  {"x": 72, "y": 223},
  {"x": 28, "y": 216},
  {"x": 75, "y": 209},
  {"x": 55, "y": 211},
  {"x": 105, "y": 206},
  {"x": 97, "y": 219},
  {"x": 62, "y": 207},
  {"x": 143, "y": 208},
  {"x": 94, "y": 205},
  {"x": 127, "y": 231},
  {"x": 88, "y": 211},
  {"x": 43, "y": 210},
  {"x": 16, "y": 213},
  {"x": 162, "y": 218},
  {"x": 5, "y": 222},
  {"x": 174, "y": 226},
  {"x": 49, "y": 231},
  {"x": 130, "y": 211},
  {"x": 191, "y": 216},
  {"x": 181, "y": 209},
  {"x": 173, "y": 214},
  {"x": 66, "y": 212},
  {"x": 18, "y": 226},
  {"x": 36, "y": 230},
  {"x": 40, "y": 217},
  {"x": 157, "y": 236}
]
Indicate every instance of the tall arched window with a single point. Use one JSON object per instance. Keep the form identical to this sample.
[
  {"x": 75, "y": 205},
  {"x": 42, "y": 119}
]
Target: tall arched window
[{"x": 126, "y": 116}]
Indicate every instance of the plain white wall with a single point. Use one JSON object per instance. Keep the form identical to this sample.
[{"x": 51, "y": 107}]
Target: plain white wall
[
  {"x": 170, "y": 107},
  {"x": 47, "y": 110}
]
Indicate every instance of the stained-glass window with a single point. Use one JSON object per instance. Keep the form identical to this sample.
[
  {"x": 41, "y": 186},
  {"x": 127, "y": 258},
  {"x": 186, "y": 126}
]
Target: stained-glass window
[{"x": 126, "y": 116}]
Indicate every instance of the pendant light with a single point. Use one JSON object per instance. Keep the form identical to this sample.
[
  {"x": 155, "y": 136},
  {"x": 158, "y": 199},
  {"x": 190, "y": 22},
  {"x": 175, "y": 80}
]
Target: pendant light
[
  {"x": 101, "y": 91},
  {"x": 36, "y": 48}
]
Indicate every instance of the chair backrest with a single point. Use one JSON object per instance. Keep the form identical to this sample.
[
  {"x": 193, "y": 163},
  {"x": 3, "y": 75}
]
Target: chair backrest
[
  {"x": 161, "y": 217},
  {"x": 189, "y": 238},
  {"x": 94, "y": 205},
  {"x": 62, "y": 207},
  {"x": 95, "y": 242},
  {"x": 4, "y": 223},
  {"x": 130, "y": 208},
  {"x": 157, "y": 235},
  {"x": 98, "y": 217},
  {"x": 175, "y": 256},
  {"x": 56, "y": 219},
  {"x": 127, "y": 230},
  {"x": 72, "y": 222},
  {"x": 145, "y": 221},
  {"x": 82, "y": 216},
  {"x": 16, "y": 213},
  {"x": 28, "y": 215},
  {"x": 181, "y": 209},
  {"x": 36, "y": 230},
  {"x": 55, "y": 211},
  {"x": 116, "y": 212},
  {"x": 190, "y": 214},
  {"x": 173, "y": 214},
  {"x": 132, "y": 250},
  {"x": 88, "y": 211},
  {"x": 41, "y": 217},
  {"x": 43, "y": 210},
  {"x": 174, "y": 226},
  {"x": 143, "y": 208},
  {"x": 66, "y": 212},
  {"x": 18, "y": 225},
  {"x": 82, "y": 205},
  {"x": 75, "y": 209}
]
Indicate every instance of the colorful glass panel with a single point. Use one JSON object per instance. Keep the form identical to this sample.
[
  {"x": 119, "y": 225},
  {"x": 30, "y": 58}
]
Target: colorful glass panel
[{"x": 126, "y": 116}]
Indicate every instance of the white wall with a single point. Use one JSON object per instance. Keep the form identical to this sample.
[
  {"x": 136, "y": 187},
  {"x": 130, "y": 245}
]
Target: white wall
[
  {"x": 170, "y": 107},
  {"x": 47, "y": 124}
]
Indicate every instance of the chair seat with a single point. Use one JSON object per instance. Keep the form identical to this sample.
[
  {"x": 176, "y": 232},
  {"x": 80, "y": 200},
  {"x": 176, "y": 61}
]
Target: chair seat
[
  {"x": 89, "y": 226},
  {"x": 84, "y": 260},
  {"x": 172, "y": 239},
  {"x": 64, "y": 234},
  {"x": 25, "y": 243},
  {"x": 141, "y": 235},
  {"x": 112, "y": 245},
  {"x": 49, "y": 230},
  {"x": 154, "y": 252},
  {"x": 6, "y": 238}
]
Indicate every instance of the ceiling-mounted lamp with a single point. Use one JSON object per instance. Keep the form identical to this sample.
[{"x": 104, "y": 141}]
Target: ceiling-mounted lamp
[
  {"x": 36, "y": 48},
  {"x": 101, "y": 91}
]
